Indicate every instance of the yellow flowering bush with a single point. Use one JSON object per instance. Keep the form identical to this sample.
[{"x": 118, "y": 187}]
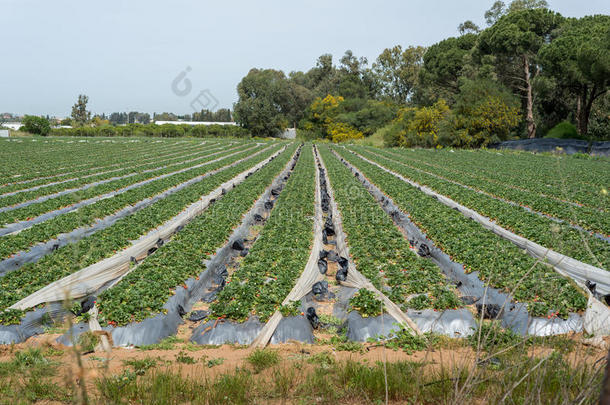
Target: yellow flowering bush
[{"x": 341, "y": 132}]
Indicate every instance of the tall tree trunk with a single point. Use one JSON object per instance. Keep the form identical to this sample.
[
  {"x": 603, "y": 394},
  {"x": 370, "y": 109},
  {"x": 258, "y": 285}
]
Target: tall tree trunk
[
  {"x": 529, "y": 118},
  {"x": 583, "y": 110},
  {"x": 578, "y": 109}
]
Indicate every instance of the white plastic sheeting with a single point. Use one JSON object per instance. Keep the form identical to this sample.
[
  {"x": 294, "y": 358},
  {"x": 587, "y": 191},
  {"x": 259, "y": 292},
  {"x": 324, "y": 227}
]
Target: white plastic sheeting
[
  {"x": 356, "y": 279},
  {"x": 597, "y": 315},
  {"x": 308, "y": 278},
  {"x": 90, "y": 279}
]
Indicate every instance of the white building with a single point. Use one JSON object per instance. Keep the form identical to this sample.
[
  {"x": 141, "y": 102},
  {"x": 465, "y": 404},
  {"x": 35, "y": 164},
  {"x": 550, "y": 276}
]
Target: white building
[
  {"x": 12, "y": 125},
  {"x": 289, "y": 133}
]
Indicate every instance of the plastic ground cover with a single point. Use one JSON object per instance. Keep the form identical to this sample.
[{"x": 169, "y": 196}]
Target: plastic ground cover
[
  {"x": 541, "y": 288},
  {"x": 67, "y": 260}
]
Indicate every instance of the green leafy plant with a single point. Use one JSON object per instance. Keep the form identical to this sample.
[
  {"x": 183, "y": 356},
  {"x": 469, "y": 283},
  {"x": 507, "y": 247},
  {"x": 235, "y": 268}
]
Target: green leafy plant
[
  {"x": 182, "y": 357},
  {"x": 366, "y": 303},
  {"x": 293, "y": 308}
]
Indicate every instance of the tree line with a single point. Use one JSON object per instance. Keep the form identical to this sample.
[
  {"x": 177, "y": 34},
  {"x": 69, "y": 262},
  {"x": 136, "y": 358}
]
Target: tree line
[
  {"x": 530, "y": 73},
  {"x": 132, "y": 123}
]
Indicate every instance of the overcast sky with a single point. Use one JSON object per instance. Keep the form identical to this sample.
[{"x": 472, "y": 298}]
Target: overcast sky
[{"x": 125, "y": 54}]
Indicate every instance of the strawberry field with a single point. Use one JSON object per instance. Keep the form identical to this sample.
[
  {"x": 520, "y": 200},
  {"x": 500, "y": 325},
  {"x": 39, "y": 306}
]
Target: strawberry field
[{"x": 137, "y": 236}]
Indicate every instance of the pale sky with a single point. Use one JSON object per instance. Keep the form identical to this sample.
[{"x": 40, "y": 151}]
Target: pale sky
[{"x": 124, "y": 54}]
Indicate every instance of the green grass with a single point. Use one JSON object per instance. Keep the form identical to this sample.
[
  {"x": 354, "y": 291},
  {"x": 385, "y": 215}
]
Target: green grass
[
  {"x": 328, "y": 381},
  {"x": 261, "y": 359},
  {"x": 26, "y": 379},
  {"x": 517, "y": 377},
  {"x": 375, "y": 140},
  {"x": 140, "y": 366}
]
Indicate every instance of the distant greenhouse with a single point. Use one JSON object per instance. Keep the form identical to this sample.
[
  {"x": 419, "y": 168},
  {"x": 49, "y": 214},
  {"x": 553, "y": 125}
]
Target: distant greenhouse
[{"x": 193, "y": 123}]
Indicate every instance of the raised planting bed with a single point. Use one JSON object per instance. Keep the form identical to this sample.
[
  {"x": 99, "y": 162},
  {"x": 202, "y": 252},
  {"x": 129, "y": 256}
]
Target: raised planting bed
[
  {"x": 88, "y": 215},
  {"x": 571, "y": 179},
  {"x": 28, "y": 279},
  {"x": 586, "y": 217},
  {"x": 146, "y": 289},
  {"x": 559, "y": 237},
  {"x": 496, "y": 260},
  {"x": 277, "y": 258},
  {"x": 380, "y": 251}
]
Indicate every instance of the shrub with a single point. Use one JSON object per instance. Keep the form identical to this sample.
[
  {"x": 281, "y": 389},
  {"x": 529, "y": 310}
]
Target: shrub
[
  {"x": 340, "y": 132},
  {"x": 485, "y": 112},
  {"x": 563, "y": 130},
  {"x": 36, "y": 125}
]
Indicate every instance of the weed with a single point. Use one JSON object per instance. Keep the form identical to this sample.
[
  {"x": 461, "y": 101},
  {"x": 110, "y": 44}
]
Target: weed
[
  {"x": 323, "y": 359},
  {"x": 140, "y": 366},
  {"x": 215, "y": 362},
  {"x": 182, "y": 357},
  {"x": 53, "y": 352},
  {"x": 86, "y": 342},
  {"x": 261, "y": 359}
]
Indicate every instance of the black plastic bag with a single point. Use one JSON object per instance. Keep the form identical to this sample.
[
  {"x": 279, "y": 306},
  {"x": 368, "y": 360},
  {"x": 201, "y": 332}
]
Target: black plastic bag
[
  {"x": 322, "y": 266},
  {"x": 343, "y": 262},
  {"x": 423, "y": 250},
  {"x": 85, "y": 306},
  {"x": 323, "y": 254},
  {"x": 258, "y": 218},
  {"x": 198, "y": 315},
  {"x": 319, "y": 288},
  {"x": 329, "y": 227},
  {"x": 312, "y": 317},
  {"x": 489, "y": 311},
  {"x": 238, "y": 245},
  {"x": 341, "y": 274},
  {"x": 332, "y": 256},
  {"x": 268, "y": 205},
  {"x": 275, "y": 192}
]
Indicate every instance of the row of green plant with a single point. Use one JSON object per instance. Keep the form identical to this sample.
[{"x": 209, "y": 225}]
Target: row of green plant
[
  {"x": 278, "y": 257},
  {"x": 141, "y": 161},
  {"x": 76, "y": 183},
  {"x": 380, "y": 252},
  {"x": 144, "y": 291},
  {"x": 564, "y": 178},
  {"x": 153, "y": 130},
  {"x": 88, "y": 215},
  {"x": 68, "y": 259},
  {"x": 542, "y": 230},
  {"x": 497, "y": 261},
  {"x": 584, "y": 216},
  {"x": 53, "y": 157},
  {"x": 129, "y": 177}
]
